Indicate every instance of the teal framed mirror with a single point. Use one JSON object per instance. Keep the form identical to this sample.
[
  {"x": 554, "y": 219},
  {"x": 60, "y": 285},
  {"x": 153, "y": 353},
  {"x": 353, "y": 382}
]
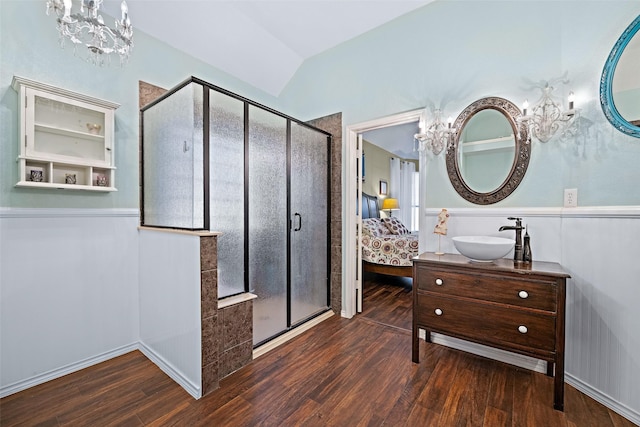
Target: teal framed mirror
[{"x": 620, "y": 82}]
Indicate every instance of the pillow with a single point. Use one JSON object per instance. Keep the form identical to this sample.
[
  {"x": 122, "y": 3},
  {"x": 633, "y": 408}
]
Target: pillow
[
  {"x": 374, "y": 227},
  {"x": 395, "y": 226}
]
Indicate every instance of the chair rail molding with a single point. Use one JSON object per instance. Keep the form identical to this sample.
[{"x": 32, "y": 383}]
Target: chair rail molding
[{"x": 67, "y": 212}]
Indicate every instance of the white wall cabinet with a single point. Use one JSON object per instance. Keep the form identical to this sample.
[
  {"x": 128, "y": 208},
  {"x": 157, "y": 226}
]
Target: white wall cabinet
[{"x": 66, "y": 138}]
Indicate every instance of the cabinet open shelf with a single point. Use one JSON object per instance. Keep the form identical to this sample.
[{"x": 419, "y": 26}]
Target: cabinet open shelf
[{"x": 66, "y": 176}]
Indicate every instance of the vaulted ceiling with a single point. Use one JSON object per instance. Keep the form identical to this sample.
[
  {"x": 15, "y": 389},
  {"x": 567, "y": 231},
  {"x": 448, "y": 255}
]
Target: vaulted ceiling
[{"x": 262, "y": 42}]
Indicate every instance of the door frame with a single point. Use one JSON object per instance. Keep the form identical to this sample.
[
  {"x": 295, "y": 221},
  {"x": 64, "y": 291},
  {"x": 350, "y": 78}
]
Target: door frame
[{"x": 352, "y": 271}]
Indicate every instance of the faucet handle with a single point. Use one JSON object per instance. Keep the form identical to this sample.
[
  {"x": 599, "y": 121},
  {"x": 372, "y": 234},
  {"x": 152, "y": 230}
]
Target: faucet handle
[{"x": 517, "y": 220}]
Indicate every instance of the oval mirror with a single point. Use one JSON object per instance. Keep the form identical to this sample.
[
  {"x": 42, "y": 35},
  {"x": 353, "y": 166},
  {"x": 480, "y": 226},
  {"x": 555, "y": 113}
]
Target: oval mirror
[
  {"x": 620, "y": 82},
  {"x": 490, "y": 152}
]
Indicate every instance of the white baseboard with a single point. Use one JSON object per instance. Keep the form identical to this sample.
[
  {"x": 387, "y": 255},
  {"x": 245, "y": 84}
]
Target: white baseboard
[
  {"x": 606, "y": 400},
  {"x": 191, "y": 388},
  {"x": 65, "y": 370}
]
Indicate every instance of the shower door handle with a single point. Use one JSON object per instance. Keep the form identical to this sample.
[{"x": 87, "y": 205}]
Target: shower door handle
[{"x": 297, "y": 215}]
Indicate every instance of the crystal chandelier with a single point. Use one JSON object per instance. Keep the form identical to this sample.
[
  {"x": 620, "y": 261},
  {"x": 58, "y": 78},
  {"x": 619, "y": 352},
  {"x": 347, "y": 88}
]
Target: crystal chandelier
[
  {"x": 88, "y": 29},
  {"x": 435, "y": 137},
  {"x": 547, "y": 117}
]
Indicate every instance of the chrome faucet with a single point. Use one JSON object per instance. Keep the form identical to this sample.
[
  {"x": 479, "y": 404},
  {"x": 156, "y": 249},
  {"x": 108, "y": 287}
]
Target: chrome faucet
[{"x": 517, "y": 250}]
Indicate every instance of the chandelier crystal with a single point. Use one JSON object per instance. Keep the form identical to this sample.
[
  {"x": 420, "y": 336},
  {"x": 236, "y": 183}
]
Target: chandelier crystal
[
  {"x": 547, "y": 117},
  {"x": 87, "y": 28},
  {"x": 435, "y": 137}
]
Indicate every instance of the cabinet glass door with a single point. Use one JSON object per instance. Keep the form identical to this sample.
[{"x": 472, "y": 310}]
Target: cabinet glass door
[
  {"x": 64, "y": 130},
  {"x": 309, "y": 219}
]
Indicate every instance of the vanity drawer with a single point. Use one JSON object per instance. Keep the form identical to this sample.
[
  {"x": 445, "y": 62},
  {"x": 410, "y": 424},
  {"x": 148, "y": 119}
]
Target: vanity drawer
[
  {"x": 488, "y": 323},
  {"x": 517, "y": 291}
]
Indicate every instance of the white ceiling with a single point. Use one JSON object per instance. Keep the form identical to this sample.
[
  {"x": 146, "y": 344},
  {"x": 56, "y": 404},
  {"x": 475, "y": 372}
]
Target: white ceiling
[
  {"x": 262, "y": 42},
  {"x": 396, "y": 139}
]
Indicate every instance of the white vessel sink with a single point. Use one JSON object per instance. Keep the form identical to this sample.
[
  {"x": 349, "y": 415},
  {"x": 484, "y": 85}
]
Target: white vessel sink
[{"x": 483, "y": 248}]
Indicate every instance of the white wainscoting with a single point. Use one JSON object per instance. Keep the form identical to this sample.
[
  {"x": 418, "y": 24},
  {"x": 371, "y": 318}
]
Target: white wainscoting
[
  {"x": 600, "y": 248},
  {"x": 68, "y": 291},
  {"x": 170, "y": 305}
]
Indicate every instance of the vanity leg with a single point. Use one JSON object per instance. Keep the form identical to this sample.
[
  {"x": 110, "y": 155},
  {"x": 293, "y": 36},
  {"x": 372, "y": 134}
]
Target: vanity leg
[
  {"x": 427, "y": 336},
  {"x": 549, "y": 369},
  {"x": 415, "y": 345},
  {"x": 558, "y": 385}
]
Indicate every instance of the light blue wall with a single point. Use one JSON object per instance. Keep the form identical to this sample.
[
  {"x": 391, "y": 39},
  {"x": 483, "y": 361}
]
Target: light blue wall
[
  {"x": 451, "y": 53},
  {"x": 447, "y": 54},
  {"x": 32, "y": 50}
]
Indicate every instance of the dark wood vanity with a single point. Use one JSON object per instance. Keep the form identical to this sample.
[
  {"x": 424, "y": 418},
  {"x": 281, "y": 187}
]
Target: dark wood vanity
[{"x": 518, "y": 307}]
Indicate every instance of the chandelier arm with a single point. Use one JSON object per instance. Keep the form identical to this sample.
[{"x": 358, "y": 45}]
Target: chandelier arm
[{"x": 89, "y": 30}]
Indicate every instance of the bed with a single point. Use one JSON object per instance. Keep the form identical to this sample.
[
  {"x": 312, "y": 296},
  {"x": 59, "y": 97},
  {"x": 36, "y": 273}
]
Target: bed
[{"x": 387, "y": 246}]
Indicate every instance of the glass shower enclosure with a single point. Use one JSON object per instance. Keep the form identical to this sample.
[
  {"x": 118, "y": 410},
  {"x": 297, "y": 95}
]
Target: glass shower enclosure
[{"x": 213, "y": 160}]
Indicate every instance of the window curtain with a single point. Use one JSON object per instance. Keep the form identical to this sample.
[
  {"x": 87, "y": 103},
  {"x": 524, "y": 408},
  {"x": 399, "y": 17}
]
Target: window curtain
[{"x": 401, "y": 188}]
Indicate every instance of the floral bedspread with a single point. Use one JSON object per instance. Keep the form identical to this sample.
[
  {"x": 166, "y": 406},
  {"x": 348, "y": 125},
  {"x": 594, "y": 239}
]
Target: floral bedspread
[{"x": 381, "y": 246}]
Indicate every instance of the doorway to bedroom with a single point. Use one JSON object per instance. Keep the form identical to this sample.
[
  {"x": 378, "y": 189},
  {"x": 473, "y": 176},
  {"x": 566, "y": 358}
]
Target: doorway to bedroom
[{"x": 384, "y": 217}]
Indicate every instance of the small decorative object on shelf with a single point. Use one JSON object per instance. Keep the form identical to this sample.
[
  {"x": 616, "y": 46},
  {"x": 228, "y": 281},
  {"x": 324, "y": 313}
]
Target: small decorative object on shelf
[
  {"x": 66, "y": 138},
  {"x": 94, "y": 128},
  {"x": 36, "y": 175}
]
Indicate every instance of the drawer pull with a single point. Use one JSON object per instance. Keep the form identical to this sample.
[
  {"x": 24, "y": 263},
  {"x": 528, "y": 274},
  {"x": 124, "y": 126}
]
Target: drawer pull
[
  {"x": 522, "y": 329},
  {"x": 523, "y": 294},
  {"x": 439, "y": 282},
  {"x": 438, "y": 312}
]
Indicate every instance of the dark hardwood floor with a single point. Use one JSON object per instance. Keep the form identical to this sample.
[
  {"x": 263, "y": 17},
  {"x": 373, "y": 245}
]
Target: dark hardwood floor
[{"x": 355, "y": 372}]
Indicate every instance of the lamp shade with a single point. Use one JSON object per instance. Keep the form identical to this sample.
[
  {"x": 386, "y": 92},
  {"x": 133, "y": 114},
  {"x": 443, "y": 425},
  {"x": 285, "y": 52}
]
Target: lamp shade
[{"x": 390, "y": 203}]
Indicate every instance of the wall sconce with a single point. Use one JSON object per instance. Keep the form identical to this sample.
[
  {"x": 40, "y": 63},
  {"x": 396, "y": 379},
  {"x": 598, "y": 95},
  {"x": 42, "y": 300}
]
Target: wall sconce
[
  {"x": 390, "y": 204},
  {"x": 435, "y": 137},
  {"x": 547, "y": 117}
]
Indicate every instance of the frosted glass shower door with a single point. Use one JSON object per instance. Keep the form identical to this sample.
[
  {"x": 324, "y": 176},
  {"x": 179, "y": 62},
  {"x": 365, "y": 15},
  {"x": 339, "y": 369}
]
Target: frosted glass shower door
[
  {"x": 309, "y": 219},
  {"x": 268, "y": 222},
  {"x": 226, "y": 189}
]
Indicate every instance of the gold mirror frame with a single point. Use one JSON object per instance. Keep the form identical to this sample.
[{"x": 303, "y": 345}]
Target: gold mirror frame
[{"x": 521, "y": 158}]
